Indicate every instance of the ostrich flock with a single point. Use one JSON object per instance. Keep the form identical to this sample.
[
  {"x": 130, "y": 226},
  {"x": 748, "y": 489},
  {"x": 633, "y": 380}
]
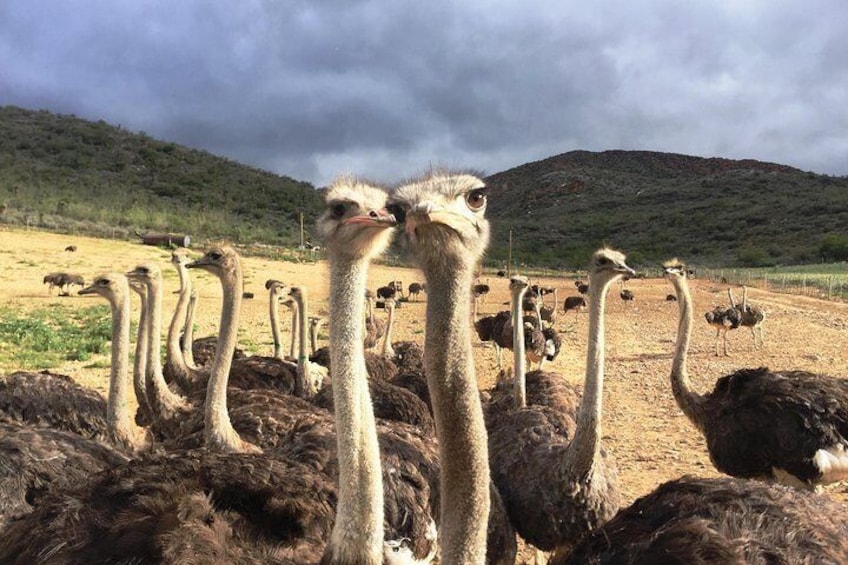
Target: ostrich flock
[{"x": 370, "y": 450}]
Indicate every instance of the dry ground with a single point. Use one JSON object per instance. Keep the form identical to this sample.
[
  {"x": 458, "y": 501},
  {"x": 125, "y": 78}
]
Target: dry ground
[{"x": 643, "y": 429}]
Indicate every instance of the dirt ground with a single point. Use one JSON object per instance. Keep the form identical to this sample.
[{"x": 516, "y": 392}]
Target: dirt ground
[{"x": 644, "y": 430}]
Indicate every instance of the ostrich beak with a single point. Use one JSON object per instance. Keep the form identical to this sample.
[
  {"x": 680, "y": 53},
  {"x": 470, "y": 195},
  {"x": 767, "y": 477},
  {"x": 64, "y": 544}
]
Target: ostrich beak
[
  {"x": 376, "y": 218},
  {"x": 87, "y": 290}
]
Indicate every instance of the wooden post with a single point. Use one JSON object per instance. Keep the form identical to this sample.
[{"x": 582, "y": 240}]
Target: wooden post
[
  {"x": 509, "y": 259},
  {"x": 301, "y": 230}
]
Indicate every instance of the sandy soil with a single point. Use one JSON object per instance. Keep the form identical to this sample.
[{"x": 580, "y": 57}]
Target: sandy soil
[{"x": 643, "y": 429}]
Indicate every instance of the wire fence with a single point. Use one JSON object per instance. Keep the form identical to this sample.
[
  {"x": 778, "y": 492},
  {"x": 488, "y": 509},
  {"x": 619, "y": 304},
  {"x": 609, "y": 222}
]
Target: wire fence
[{"x": 824, "y": 285}]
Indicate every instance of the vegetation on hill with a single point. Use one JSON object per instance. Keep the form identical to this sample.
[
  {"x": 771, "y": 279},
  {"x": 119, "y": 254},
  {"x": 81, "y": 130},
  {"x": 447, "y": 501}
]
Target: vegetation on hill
[
  {"x": 658, "y": 205},
  {"x": 64, "y": 173}
]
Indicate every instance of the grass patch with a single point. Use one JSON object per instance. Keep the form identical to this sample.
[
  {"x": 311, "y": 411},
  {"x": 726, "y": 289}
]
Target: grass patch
[{"x": 46, "y": 338}]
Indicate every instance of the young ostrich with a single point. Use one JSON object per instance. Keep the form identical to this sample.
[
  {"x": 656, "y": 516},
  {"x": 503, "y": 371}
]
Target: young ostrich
[
  {"x": 557, "y": 490},
  {"x": 719, "y": 522},
  {"x": 447, "y": 234},
  {"x": 750, "y": 316},
  {"x": 786, "y": 426}
]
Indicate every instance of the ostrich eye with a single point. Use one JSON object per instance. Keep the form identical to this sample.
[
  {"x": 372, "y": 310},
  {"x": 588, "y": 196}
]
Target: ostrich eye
[
  {"x": 476, "y": 199},
  {"x": 337, "y": 211},
  {"x": 215, "y": 255},
  {"x": 603, "y": 261},
  {"x": 104, "y": 282},
  {"x": 397, "y": 211}
]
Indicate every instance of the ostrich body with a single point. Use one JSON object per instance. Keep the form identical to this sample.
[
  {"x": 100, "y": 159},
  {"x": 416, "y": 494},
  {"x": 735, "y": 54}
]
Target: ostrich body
[
  {"x": 576, "y": 303},
  {"x": 719, "y": 522},
  {"x": 34, "y": 458},
  {"x": 55, "y": 401},
  {"x": 627, "y": 295},
  {"x": 447, "y": 235},
  {"x": 557, "y": 488},
  {"x": 785, "y": 426},
  {"x": 750, "y": 316}
]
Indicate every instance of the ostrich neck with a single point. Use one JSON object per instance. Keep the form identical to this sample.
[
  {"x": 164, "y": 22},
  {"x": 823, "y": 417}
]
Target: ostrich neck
[
  {"x": 519, "y": 382},
  {"x": 303, "y": 382},
  {"x": 274, "y": 313},
  {"x": 188, "y": 332},
  {"x": 174, "y": 360},
  {"x": 166, "y": 398},
  {"x": 689, "y": 401},
  {"x": 121, "y": 426},
  {"x": 140, "y": 362},
  {"x": 463, "y": 449},
  {"x": 388, "y": 351},
  {"x": 218, "y": 428},
  {"x": 358, "y": 532},
  {"x": 294, "y": 329},
  {"x": 586, "y": 444}
]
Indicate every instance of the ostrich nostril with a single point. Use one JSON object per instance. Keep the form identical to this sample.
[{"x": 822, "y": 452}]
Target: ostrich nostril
[{"x": 373, "y": 213}]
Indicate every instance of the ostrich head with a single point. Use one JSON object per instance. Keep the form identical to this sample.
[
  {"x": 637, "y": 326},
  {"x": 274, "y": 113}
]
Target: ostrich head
[
  {"x": 518, "y": 284},
  {"x": 273, "y": 283},
  {"x": 179, "y": 258},
  {"x": 674, "y": 268},
  {"x": 355, "y": 221},
  {"x": 217, "y": 261},
  {"x": 608, "y": 265},
  {"x": 450, "y": 209},
  {"x": 145, "y": 273},
  {"x": 108, "y": 286}
]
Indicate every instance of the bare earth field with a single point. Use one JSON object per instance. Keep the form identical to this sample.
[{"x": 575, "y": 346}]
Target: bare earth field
[{"x": 643, "y": 429}]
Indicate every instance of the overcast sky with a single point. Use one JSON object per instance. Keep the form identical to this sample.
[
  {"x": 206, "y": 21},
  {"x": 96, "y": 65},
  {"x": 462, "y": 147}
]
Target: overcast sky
[{"x": 385, "y": 89}]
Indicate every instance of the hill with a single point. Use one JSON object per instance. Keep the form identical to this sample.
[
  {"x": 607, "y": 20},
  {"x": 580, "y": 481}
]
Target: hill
[
  {"x": 64, "y": 173},
  {"x": 711, "y": 211},
  {"x": 68, "y": 174}
]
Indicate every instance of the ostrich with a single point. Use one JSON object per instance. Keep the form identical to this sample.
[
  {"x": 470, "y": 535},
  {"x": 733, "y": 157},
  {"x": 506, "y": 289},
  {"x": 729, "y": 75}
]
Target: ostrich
[
  {"x": 388, "y": 291},
  {"x": 187, "y": 339},
  {"x": 582, "y": 287},
  {"x": 71, "y": 248},
  {"x": 355, "y": 229},
  {"x": 405, "y": 356},
  {"x": 447, "y": 235},
  {"x": 670, "y": 298},
  {"x": 750, "y": 316},
  {"x": 576, "y": 303},
  {"x": 480, "y": 290},
  {"x": 168, "y": 407},
  {"x": 415, "y": 289},
  {"x": 627, "y": 296},
  {"x": 722, "y": 319},
  {"x": 786, "y": 426},
  {"x": 176, "y": 366},
  {"x": 315, "y": 324},
  {"x": 557, "y": 490},
  {"x": 144, "y": 414},
  {"x": 719, "y": 521},
  {"x": 374, "y": 327},
  {"x": 548, "y": 313},
  {"x": 275, "y": 293}
]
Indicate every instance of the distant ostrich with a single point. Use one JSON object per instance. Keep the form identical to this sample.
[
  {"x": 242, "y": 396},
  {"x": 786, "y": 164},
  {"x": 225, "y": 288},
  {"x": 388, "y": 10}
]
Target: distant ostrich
[
  {"x": 557, "y": 490},
  {"x": 787, "y": 426},
  {"x": 722, "y": 319},
  {"x": 447, "y": 235},
  {"x": 415, "y": 289},
  {"x": 375, "y": 328},
  {"x": 576, "y": 303},
  {"x": 488, "y": 327},
  {"x": 549, "y": 313},
  {"x": 388, "y": 291},
  {"x": 63, "y": 281},
  {"x": 582, "y": 287},
  {"x": 670, "y": 298},
  {"x": 627, "y": 296},
  {"x": 480, "y": 290},
  {"x": 71, "y": 248},
  {"x": 501, "y": 274},
  {"x": 719, "y": 521},
  {"x": 750, "y": 316}
]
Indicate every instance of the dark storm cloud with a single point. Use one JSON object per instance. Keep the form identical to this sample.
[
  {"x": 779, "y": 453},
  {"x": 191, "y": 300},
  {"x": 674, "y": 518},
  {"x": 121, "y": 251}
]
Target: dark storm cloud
[{"x": 385, "y": 89}]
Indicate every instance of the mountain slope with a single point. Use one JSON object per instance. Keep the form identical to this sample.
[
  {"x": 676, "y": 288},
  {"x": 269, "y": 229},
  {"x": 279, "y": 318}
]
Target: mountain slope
[
  {"x": 67, "y": 173},
  {"x": 654, "y": 205}
]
